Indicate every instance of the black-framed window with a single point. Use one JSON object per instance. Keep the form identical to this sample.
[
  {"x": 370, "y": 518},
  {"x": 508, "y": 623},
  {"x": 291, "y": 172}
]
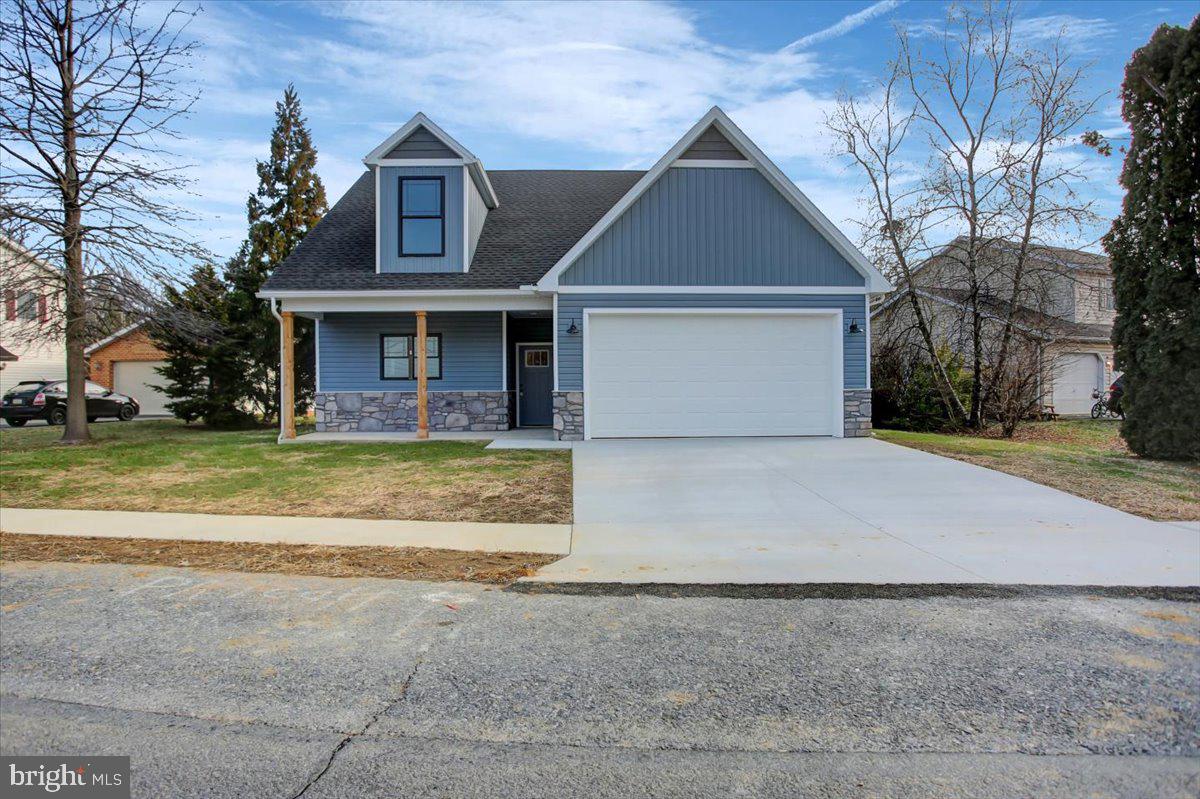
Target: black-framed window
[
  {"x": 398, "y": 356},
  {"x": 423, "y": 216}
]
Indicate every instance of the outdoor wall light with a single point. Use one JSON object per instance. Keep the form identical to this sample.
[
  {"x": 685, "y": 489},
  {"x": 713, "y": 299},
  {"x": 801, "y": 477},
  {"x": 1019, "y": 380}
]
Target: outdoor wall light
[
  {"x": 573, "y": 329},
  {"x": 854, "y": 328}
]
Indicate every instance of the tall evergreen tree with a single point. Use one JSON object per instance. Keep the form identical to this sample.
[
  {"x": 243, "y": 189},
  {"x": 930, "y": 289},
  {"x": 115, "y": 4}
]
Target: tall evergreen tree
[
  {"x": 289, "y": 201},
  {"x": 1155, "y": 247},
  {"x": 203, "y": 373}
]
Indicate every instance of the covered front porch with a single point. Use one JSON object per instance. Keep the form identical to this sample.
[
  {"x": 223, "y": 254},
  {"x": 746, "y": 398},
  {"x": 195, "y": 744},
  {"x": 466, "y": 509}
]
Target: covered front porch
[{"x": 451, "y": 369}]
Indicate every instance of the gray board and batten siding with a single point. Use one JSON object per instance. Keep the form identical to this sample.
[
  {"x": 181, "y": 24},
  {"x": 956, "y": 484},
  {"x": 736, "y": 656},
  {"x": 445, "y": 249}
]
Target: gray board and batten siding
[{"x": 711, "y": 227}]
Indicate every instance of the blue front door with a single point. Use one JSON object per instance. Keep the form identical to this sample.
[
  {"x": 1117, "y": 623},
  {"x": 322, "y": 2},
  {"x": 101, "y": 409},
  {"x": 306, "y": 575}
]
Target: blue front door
[{"x": 535, "y": 379}]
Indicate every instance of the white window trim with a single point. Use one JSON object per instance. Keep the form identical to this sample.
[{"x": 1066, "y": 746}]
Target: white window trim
[
  {"x": 875, "y": 280},
  {"x": 661, "y": 289},
  {"x": 837, "y": 411},
  {"x": 517, "y": 345}
]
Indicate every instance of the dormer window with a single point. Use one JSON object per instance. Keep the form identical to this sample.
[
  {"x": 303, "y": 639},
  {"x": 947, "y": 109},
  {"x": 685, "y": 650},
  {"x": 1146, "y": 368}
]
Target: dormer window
[{"x": 422, "y": 216}]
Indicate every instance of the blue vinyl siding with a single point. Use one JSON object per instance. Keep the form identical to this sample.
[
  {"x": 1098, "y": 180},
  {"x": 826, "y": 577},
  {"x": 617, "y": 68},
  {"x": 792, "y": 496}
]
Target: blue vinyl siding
[
  {"x": 389, "y": 220},
  {"x": 471, "y": 350},
  {"x": 570, "y": 309},
  {"x": 711, "y": 227}
]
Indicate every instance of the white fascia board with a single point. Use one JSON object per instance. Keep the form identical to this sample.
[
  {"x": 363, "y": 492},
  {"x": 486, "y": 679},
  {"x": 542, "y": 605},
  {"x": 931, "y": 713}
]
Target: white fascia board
[
  {"x": 705, "y": 163},
  {"x": 417, "y": 162},
  {"x": 104, "y": 342},
  {"x": 383, "y": 301},
  {"x": 282, "y": 293},
  {"x": 713, "y": 290},
  {"x": 876, "y": 282},
  {"x": 479, "y": 177}
]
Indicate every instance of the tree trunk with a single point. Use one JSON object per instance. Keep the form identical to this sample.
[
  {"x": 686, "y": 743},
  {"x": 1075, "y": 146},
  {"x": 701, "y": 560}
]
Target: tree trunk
[{"x": 76, "y": 301}]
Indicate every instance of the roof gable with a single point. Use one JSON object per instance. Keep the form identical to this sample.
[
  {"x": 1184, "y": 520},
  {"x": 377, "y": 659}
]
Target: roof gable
[
  {"x": 718, "y": 119},
  {"x": 712, "y": 145},
  {"x": 421, "y": 144},
  {"x": 426, "y": 137}
]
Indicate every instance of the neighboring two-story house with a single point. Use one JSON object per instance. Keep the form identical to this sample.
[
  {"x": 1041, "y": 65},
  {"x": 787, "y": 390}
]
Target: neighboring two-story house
[
  {"x": 1064, "y": 311},
  {"x": 31, "y": 338},
  {"x": 706, "y": 296}
]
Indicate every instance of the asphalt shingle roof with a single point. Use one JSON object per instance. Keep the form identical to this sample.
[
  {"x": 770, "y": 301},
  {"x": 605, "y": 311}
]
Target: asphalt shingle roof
[{"x": 542, "y": 213}]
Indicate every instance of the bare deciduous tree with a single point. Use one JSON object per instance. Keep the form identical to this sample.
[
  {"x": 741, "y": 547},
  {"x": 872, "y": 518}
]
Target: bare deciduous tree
[
  {"x": 92, "y": 90},
  {"x": 963, "y": 138}
]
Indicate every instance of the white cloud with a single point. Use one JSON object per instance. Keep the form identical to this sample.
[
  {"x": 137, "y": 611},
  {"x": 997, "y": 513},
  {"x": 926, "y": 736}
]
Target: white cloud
[{"x": 845, "y": 24}]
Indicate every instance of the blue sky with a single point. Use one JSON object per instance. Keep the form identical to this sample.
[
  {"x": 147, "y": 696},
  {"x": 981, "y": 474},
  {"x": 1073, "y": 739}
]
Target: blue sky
[{"x": 582, "y": 85}]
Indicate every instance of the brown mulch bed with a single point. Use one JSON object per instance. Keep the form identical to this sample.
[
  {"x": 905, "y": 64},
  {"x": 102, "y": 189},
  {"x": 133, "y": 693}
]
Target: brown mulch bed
[{"x": 403, "y": 563}]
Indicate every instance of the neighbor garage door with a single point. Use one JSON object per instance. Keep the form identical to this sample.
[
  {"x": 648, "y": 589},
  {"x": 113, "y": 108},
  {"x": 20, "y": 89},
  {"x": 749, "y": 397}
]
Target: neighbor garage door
[
  {"x": 135, "y": 378},
  {"x": 712, "y": 374},
  {"x": 1076, "y": 376}
]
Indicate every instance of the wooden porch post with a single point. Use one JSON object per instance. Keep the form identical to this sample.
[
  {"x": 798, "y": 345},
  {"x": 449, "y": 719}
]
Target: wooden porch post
[
  {"x": 287, "y": 375},
  {"x": 422, "y": 380}
]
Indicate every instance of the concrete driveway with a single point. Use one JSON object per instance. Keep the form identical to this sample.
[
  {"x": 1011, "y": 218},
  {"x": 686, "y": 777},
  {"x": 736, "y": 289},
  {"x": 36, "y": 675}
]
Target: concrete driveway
[{"x": 859, "y": 511}]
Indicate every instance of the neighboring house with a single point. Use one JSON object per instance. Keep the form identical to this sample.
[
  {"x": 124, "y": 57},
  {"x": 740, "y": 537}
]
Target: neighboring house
[
  {"x": 126, "y": 363},
  {"x": 31, "y": 323},
  {"x": 1064, "y": 314},
  {"x": 705, "y": 297}
]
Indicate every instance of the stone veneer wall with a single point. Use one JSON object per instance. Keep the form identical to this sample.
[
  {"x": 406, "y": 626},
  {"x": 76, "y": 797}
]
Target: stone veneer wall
[
  {"x": 857, "y": 412},
  {"x": 386, "y": 411},
  {"x": 568, "y": 415}
]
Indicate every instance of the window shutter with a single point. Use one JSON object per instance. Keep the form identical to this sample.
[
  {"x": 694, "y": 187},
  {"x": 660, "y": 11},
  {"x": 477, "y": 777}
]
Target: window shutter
[
  {"x": 10, "y": 305},
  {"x": 43, "y": 310}
]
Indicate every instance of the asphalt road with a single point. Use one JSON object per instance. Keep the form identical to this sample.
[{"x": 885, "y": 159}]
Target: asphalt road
[{"x": 271, "y": 686}]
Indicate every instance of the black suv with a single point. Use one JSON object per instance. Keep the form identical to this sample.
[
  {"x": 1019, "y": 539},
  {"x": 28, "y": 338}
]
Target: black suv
[{"x": 47, "y": 400}]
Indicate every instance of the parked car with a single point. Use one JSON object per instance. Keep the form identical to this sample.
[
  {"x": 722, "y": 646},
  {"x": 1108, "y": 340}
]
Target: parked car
[{"x": 47, "y": 400}]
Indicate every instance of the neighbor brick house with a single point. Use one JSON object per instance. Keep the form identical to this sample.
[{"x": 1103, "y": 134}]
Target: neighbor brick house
[
  {"x": 126, "y": 363},
  {"x": 707, "y": 296}
]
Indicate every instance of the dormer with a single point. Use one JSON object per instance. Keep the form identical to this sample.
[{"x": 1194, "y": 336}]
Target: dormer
[{"x": 431, "y": 199}]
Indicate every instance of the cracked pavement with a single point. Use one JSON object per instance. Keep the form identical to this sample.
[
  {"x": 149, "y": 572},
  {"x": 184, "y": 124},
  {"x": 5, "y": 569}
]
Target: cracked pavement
[{"x": 240, "y": 685}]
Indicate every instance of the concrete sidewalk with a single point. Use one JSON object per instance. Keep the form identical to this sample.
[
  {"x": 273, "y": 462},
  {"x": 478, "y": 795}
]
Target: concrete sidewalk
[{"x": 554, "y": 539}]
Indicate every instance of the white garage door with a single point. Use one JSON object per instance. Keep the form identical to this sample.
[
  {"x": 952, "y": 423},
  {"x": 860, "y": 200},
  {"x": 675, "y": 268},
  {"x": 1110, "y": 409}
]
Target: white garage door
[
  {"x": 1076, "y": 376},
  {"x": 135, "y": 378},
  {"x": 712, "y": 374}
]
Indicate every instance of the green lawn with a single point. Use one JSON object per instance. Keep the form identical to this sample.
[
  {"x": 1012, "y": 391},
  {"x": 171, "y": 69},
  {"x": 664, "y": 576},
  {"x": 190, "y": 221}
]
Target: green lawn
[
  {"x": 169, "y": 466},
  {"x": 1083, "y": 457}
]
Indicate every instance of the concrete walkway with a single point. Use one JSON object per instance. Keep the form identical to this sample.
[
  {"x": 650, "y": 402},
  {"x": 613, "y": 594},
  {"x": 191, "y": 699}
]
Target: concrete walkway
[
  {"x": 519, "y": 438},
  {"x": 856, "y": 511},
  {"x": 552, "y": 539}
]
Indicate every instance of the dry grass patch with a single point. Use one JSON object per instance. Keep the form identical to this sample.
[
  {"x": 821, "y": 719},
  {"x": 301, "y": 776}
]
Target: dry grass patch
[{"x": 405, "y": 563}]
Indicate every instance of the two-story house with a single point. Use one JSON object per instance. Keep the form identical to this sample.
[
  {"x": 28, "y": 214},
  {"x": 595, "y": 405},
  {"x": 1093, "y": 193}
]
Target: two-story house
[
  {"x": 706, "y": 296},
  {"x": 31, "y": 338},
  {"x": 1064, "y": 310}
]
